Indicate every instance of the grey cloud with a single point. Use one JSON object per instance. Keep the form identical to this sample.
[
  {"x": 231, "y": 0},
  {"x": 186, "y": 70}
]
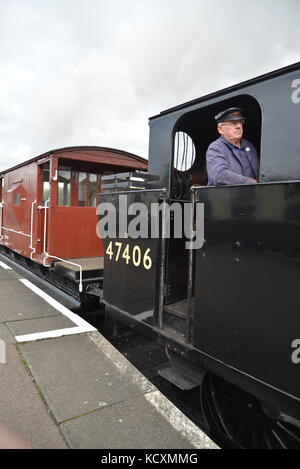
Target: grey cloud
[{"x": 91, "y": 72}]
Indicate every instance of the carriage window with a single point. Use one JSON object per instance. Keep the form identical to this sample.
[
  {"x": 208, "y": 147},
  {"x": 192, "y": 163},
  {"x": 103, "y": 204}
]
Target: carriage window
[
  {"x": 46, "y": 178},
  {"x": 184, "y": 152},
  {"x": 87, "y": 188},
  {"x": 64, "y": 186},
  {"x": 82, "y": 189},
  {"x": 93, "y": 190},
  {"x": 1, "y": 190},
  {"x": 17, "y": 199}
]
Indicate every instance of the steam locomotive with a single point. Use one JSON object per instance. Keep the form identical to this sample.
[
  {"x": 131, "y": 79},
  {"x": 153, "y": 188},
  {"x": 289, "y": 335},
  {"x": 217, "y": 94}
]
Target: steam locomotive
[
  {"x": 224, "y": 303},
  {"x": 227, "y": 311}
]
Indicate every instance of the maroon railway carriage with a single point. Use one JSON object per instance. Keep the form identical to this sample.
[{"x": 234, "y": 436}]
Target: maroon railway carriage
[{"x": 48, "y": 209}]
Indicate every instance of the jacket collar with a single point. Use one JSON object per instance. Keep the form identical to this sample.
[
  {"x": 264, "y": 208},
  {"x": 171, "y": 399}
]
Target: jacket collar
[
  {"x": 235, "y": 151},
  {"x": 232, "y": 145}
]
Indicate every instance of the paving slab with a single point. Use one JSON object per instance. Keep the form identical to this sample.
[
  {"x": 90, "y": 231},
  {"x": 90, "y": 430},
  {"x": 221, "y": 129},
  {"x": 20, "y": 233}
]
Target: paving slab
[
  {"x": 13, "y": 287},
  {"x": 30, "y": 307},
  {"x": 23, "y": 412},
  {"x": 75, "y": 377},
  {"x": 77, "y": 390},
  {"x": 102, "y": 401},
  {"x": 133, "y": 424},
  {"x": 14, "y": 274},
  {"x": 31, "y": 326},
  {"x": 5, "y": 274},
  {"x": 6, "y": 335}
]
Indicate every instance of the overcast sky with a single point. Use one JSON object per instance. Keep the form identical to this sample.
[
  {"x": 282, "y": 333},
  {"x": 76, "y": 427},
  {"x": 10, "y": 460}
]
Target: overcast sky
[{"x": 91, "y": 72}]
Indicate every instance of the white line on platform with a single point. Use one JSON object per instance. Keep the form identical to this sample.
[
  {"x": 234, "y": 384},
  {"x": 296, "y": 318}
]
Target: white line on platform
[
  {"x": 52, "y": 334},
  {"x": 82, "y": 325},
  {"x": 4, "y": 266}
]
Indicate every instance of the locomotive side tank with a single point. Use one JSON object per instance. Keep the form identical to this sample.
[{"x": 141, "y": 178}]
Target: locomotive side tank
[{"x": 227, "y": 311}]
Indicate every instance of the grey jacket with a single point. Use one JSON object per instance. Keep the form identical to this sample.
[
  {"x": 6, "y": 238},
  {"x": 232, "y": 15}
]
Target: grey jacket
[{"x": 229, "y": 165}]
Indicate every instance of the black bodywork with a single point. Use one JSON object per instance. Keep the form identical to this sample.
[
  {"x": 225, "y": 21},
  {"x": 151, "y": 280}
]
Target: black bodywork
[{"x": 240, "y": 302}]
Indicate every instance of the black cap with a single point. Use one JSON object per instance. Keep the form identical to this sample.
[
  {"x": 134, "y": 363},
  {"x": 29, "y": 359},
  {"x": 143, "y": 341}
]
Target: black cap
[{"x": 232, "y": 114}]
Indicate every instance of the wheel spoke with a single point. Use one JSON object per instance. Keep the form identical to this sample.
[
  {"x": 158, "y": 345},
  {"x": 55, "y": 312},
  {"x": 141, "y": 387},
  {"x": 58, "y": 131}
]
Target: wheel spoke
[
  {"x": 268, "y": 441},
  {"x": 289, "y": 432},
  {"x": 244, "y": 420},
  {"x": 287, "y": 419},
  {"x": 220, "y": 414},
  {"x": 283, "y": 446}
]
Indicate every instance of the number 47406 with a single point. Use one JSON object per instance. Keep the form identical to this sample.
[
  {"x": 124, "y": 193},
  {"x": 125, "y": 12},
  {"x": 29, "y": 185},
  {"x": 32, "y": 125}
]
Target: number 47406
[{"x": 118, "y": 251}]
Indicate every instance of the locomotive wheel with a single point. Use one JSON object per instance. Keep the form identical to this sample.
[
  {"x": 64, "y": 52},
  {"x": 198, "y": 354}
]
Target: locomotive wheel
[{"x": 246, "y": 421}]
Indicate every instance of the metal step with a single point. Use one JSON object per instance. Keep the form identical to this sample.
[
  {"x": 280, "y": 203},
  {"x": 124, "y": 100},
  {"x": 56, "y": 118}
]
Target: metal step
[
  {"x": 183, "y": 374},
  {"x": 178, "y": 309},
  {"x": 179, "y": 378}
]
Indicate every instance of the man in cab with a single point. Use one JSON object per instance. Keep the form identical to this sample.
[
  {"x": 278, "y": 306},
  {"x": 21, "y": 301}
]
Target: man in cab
[{"x": 231, "y": 159}]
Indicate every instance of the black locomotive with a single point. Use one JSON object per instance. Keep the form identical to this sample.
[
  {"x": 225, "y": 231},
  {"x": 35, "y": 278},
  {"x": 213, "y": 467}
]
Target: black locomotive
[{"x": 227, "y": 311}]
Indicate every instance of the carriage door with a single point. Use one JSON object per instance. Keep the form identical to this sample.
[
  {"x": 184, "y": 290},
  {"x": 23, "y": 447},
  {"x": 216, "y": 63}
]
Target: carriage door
[{"x": 44, "y": 196}]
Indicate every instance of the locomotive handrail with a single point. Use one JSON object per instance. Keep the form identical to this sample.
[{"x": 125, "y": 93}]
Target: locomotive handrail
[
  {"x": 47, "y": 255},
  {"x": 162, "y": 271},
  {"x": 190, "y": 274}
]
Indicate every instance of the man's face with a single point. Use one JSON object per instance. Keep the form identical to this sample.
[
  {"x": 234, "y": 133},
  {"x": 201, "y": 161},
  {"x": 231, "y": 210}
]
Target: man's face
[{"x": 231, "y": 130}]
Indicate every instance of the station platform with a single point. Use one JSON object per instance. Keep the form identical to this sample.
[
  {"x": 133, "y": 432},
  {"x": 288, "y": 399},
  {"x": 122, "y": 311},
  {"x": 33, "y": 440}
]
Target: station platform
[{"x": 63, "y": 385}]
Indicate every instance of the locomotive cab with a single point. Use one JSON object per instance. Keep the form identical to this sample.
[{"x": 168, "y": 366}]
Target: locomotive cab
[
  {"x": 192, "y": 135},
  {"x": 226, "y": 310},
  {"x": 194, "y": 132}
]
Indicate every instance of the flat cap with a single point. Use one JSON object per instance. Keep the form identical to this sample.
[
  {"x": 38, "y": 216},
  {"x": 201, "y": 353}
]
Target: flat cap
[{"x": 232, "y": 114}]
